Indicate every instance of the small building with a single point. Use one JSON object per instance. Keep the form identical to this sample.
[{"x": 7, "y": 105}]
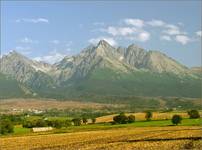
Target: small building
[{"x": 41, "y": 129}]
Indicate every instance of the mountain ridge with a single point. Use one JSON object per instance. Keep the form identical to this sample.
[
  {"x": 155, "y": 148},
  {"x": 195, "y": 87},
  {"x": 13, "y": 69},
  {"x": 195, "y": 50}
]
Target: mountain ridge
[{"x": 132, "y": 67}]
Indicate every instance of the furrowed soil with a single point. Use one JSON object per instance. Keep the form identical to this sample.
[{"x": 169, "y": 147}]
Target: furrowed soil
[{"x": 140, "y": 138}]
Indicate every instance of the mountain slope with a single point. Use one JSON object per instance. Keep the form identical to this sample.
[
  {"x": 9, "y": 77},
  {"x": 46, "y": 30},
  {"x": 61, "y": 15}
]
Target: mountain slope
[
  {"x": 34, "y": 74},
  {"x": 105, "y": 70},
  {"x": 11, "y": 88}
]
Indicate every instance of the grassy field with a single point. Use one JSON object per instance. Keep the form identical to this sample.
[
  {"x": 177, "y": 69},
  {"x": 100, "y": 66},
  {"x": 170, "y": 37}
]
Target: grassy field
[
  {"x": 19, "y": 130},
  {"x": 151, "y": 138}
]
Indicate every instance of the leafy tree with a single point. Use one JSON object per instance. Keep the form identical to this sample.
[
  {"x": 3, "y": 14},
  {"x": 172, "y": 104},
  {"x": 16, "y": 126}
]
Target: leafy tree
[
  {"x": 84, "y": 120},
  {"x": 121, "y": 119},
  {"x": 41, "y": 123},
  {"x": 76, "y": 121},
  {"x": 148, "y": 115},
  {"x": 131, "y": 119},
  {"x": 6, "y": 126},
  {"x": 176, "y": 119},
  {"x": 27, "y": 124},
  {"x": 67, "y": 123},
  {"x": 93, "y": 120},
  {"x": 193, "y": 114},
  {"x": 57, "y": 124}
]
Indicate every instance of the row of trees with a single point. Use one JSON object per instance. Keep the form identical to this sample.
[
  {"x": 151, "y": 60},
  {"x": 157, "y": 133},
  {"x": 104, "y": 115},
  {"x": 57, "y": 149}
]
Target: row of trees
[
  {"x": 79, "y": 121},
  {"x": 193, "y": 114},
  {"x": 45, "y": 123},
  {"x": 57, "y": 123},
  {"x": 176, "y": 119},
  {"x": 123, "y": 119}
]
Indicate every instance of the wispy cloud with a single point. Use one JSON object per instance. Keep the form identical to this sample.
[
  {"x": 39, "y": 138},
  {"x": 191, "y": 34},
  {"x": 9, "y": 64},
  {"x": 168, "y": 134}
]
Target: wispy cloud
[
  {"x": 32, "y": 20},
  {"x": 110, "y": 40},
  {"x": 134, "y": 22},
  {"x": 182, "y": 39},
  {"x": 156, "y": 23},
  {"x": 55, "y": 42},
  {"x": 23, "y": 50},
  {"x": 165, "y": 37},
  {"x": 61, "y": 43},
  {"x": 28, "y": 40},
  {"x": 143, "y": 36},
  {"x": 53, "y": 57},
  {"x": 123, "y": 31},
  {"x": 98, "y": 23}
]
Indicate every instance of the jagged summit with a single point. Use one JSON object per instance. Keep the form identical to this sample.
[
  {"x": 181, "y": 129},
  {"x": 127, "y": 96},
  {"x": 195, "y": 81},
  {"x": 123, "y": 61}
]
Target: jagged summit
[
  {"x": 126, "y": 70},
  {"x": 103, "y": 43},
  {"x": 14, "y": 53}
]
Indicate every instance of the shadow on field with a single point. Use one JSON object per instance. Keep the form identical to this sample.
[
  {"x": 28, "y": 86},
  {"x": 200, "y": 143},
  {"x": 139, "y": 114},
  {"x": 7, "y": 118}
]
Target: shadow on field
[{"x": 164, "y": 139}]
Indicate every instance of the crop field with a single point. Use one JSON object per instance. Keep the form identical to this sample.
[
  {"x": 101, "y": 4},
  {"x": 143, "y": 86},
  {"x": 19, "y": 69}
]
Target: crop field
[
  {"x": 141, "y": 116},
  {"x": 151, "y": 138}
]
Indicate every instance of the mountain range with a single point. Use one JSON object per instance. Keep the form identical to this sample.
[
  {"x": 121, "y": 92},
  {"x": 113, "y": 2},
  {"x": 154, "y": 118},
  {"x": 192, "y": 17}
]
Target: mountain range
[{"x": 99, "y": 70}]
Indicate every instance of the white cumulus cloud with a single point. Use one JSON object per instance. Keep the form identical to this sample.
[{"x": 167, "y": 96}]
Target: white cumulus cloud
[
  {"x": 143, "y": 36},
  {"x": 182, "y": 39},
  {"x": 123, "y": 31}
]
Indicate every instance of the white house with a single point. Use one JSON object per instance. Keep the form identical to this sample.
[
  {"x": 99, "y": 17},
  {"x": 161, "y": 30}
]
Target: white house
[{"x": 42, "y": 129}]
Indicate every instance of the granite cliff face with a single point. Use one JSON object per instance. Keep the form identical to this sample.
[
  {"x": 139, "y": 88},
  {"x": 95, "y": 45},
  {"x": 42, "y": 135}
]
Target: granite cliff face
[{"x": 95, "y": 63}]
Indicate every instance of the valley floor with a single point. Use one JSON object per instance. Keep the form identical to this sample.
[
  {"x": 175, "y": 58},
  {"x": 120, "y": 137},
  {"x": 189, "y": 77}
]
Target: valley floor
[{"x": 129, "y": 137}]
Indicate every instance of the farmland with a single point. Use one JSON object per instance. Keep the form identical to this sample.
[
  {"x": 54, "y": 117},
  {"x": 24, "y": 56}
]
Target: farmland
[
  {"x": 156, "y": 133},
  {"x": 170, "y": 137}
]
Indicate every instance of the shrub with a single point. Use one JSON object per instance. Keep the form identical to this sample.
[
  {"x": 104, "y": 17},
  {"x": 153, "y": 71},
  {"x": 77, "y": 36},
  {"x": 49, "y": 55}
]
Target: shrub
[
  {"x": 27, "y": 124},
  {"x": 41, "y": 123},
  {"x": 131, "y": 119},
  {"x": 193, "y": 114},
  {"x": 84, "y": 120},
  {"x": 67, "y": 123},
  {"x": 176, "y": 119},
  {"x": 76, "y": 121},
  {"x": 148, "y": 115},
  {"x": 121, "y": 119},
  {"x": 93, "y": 120},
  {"x": 6, "y": 126},
  {"x": 58, "y": 124}
]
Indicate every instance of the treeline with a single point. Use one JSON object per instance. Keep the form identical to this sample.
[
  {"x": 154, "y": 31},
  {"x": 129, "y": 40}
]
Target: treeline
[
  {"x": 176, "y": 119},
  {"x": 7, "y": 122},
  {"x": 56, "y": 123}
]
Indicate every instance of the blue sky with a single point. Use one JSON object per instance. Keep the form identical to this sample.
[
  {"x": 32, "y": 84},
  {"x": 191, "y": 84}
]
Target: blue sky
[{"x": 48, "y": 31}]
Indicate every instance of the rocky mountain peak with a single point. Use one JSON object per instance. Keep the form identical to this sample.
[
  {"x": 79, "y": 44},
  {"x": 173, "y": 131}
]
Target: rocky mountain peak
[
  {"x": 103, "y": 48},
  {"x": 103, "y": 43},
  {"x": 14, "y": 53}
]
